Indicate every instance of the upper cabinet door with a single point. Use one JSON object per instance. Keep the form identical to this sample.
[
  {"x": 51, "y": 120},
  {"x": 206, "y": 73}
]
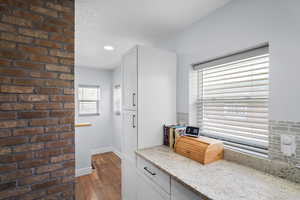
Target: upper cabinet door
[{"x": 130, "y": 66}]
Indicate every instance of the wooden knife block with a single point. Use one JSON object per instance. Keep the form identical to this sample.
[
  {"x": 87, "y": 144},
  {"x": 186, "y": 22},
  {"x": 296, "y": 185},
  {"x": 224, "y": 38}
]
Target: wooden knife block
[{"x": 204, "y": 150}]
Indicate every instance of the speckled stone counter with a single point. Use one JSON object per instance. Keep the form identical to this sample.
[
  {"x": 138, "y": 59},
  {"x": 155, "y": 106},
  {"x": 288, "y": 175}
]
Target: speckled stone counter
[{"x": 221, "y": 180}]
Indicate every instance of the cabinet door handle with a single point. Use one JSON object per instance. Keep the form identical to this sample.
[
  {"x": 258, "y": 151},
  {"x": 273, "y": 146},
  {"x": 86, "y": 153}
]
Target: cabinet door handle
[
  {"x": 149, "y": 171},
  {"x": 133, "y": 121},
  {"x": 133, "y": 98}
]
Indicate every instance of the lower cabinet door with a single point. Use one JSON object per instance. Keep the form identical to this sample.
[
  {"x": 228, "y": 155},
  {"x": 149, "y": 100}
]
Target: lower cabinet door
[
  {"x": 129, "y": 180},
  {"x": 180, "y": 192},
  {"x": 148, "y": 190}
]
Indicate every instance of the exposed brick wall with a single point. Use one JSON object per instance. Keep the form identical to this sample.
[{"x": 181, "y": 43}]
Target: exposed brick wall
[{"x": 37, "y": 99}]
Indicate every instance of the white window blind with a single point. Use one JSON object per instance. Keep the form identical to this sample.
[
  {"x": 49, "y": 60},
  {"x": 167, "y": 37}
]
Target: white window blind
[
  {"x": 88, "y": 98},
  {"x": 232, "y": 101}
]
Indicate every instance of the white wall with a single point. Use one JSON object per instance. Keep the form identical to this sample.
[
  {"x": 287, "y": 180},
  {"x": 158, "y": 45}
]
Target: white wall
[
  {"x": 117, "y": 119},
  {"x": 240, "y": 25},
  {"x": 98, "y": 137}
]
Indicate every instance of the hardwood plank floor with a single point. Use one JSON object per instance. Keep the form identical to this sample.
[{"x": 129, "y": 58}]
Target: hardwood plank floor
[{"x": 105, "y": 181}]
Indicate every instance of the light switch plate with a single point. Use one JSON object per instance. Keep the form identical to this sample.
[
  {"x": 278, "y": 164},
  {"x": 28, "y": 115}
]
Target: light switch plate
[{"x": 288, "y": 145}]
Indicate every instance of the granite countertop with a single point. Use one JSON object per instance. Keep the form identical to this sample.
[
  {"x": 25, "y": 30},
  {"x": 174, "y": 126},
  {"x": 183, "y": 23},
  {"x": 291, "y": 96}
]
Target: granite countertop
[{"x": 221, "y": 180}]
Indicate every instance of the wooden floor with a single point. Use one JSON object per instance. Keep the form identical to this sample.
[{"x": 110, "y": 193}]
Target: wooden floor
[{"x": 105, "y": 181}]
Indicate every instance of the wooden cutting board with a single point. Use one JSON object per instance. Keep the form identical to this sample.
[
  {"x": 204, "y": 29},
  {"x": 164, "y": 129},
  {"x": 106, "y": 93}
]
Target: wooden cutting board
[{"x": 204, "y": 150}]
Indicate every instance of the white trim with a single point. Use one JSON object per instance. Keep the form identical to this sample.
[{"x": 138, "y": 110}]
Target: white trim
[
  {"x": 118, "y": 153},
  {"x": 102, "y": 150},
  {"x": 83, "y": 171}
]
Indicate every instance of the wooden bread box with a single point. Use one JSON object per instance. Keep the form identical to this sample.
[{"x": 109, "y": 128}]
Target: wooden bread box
[{"x": 204, "y": 150}]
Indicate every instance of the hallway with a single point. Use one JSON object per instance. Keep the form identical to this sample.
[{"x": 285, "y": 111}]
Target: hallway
[{"x": 105, "y": 181}]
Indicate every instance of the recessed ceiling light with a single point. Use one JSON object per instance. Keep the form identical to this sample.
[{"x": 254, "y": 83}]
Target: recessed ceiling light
[{"x": 109, "y": 48}]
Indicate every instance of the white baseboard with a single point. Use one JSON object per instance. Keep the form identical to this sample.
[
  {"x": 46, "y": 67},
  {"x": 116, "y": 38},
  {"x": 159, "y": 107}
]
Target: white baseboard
[
  {"x": 102, "y": 150},
  {"x": 118, "y": 153},
  {"x": 83, "y": 171}
]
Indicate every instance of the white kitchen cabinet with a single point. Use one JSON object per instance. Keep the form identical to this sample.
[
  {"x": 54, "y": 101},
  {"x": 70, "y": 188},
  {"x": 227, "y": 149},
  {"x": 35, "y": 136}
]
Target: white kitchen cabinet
[
  {"x": 129, "y": 143},
  {"x": 180, "y": 192},
  {"x": 147, "y": 190},
  {"x": 129, "y": 180},
  {"x": 130, "y": 67}
]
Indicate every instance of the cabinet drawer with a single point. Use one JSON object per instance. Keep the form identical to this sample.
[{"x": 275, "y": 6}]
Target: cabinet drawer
[{"x": 155, "y": 174}]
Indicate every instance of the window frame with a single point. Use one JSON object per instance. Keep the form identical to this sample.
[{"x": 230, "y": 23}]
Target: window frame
[
  {"x": 215, "y": 62},
  {"x": 97, "y": 113}
]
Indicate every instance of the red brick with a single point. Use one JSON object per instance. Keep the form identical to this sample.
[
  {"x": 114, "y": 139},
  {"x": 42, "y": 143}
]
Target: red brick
[
  {"x": 61, "y": 158},
  {"x": 31, "y": 115},
  {"x": 15, "y": 3},
  {"x": 28, "y": 147},
  {"x": 64, "y": 172},
  {"x": 4, "y": 63},
  {"x": 33, "y": 163},
  {"x": 15, "y": 106},
  {"x": 47, "y": 153},
  {"x": 28, "y": 82},
  {"x": 63, "y": 54},
  {"x": 7, "y": 115},
  {"x": 6, "y": 27},
  {"x": 67, "y": 120},
  {"x": 27, "y": 15},
  {"x": 66, "y": 77},
  {"x": 59, "y": 83},
  {"x": 68, "y": 91},
  {"x": 69, "y": 105},
  {"x": 33, "y": 179},
  {"x": 12, "y": 124},
  {"x": 8, "y": 98},
  {"x": 12, "y": 54},
  {"x": 5, "y": 133},
  {"x": 44, "y": 185},
  {"x": 5, "y": 150},
  {"x": 58, "y": 7},
  {"x": 48, "y": 75},
  {"x": 33, "y": 195},
  {"x": 8, "y": 167},
  {"x": 64, "y": 98},
  {"x": 47, "y": 43},
  {"x": 15, "y": 157},
  {"x": 33, "y": 98},
  {"x": 58, "y": 68},
  {"x": 44, "y": 11},
  {"x": 7, "y": 44},
  {"x": 28, "y": 131},
  {"x": 70, "y": 149},
  {"x": 43, "y": 122},
  {"x": 29, "y": 65},
  {"x": 49, "y": 28},
  {"x": 48, "y": 168},
  {"x": 10, "y": 141},
  {"x": 32, "y": 49},
  {"x": 16, "y": 20},
  {"x": 63, "y": 113},
  {"x": 5, "y": 80},
  {"x": 13, "y": 72},
  {"x": 59, "y": 188},
  {"x": 56, "y": 129},
  {"x": 43, "y": 59},
  {"x": 49, "y": 91},
  {"x": 69, "y": 47},
  {"x": 57, "y": 144},
  {"x": 61, "y": 38},
  {"x": 16, "y": 38},
  {"x": 33, "y": 33},
  {"x": 69, "y": 135},
  {"x": 15, "y": 89},
  {"x": 67, "y": 179},
  {"x": 48, "y": 106},
  {"x": 64, "y": 61},
  {"x": 14, "y": 192},
  {"x": 44, "y": 138}
]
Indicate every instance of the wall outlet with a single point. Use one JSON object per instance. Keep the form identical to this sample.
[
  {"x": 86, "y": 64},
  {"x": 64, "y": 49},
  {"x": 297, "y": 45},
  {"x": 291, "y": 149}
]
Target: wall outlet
[{"x": 288, "y": 145}]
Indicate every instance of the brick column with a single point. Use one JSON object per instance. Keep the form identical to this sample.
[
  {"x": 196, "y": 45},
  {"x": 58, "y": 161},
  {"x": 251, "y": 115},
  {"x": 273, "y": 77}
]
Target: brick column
[{"x": 37, "y": 99}]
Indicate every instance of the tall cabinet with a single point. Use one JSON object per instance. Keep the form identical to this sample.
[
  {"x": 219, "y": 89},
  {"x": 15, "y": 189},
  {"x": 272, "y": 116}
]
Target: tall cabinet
[{"x": 149, "y": 102}]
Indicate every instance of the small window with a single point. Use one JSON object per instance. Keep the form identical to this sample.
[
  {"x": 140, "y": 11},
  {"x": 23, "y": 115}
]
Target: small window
[
  {"x": 88, "y": 98},
  {"x": 117, "y": 100},
  {"x": 233, "y": 95}
]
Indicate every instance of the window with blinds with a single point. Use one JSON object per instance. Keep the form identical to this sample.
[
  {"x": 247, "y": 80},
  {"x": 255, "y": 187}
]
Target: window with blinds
[{"x": 232, "y": 100}]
